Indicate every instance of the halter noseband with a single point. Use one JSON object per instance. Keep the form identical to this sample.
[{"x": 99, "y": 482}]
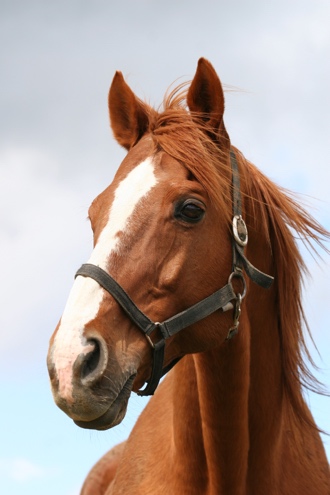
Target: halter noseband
[{"x": 220, "y": 300}]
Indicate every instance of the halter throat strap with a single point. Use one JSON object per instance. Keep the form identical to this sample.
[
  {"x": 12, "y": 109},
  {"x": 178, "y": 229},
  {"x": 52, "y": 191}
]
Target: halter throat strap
[{"x": 221, "y": 300}]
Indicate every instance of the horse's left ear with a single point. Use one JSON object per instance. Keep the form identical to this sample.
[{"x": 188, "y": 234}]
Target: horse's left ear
[
  {"x": 128, "y": 115},
  {"x": 206, "y": 100}
]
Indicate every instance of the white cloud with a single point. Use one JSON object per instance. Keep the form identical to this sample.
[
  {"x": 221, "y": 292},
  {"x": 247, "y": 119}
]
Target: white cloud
[{"x": 20, "y": 469}]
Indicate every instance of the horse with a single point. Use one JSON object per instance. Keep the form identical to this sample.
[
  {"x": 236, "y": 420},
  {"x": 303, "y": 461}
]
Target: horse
[{"x": 195, "y": 272}]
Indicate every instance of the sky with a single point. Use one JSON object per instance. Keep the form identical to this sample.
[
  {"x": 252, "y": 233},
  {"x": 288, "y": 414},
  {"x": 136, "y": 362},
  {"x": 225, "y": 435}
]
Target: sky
[{"x": 57, "y": 60}]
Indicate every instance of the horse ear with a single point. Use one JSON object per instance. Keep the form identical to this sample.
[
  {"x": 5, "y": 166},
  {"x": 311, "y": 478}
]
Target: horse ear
[
  {"x": 128, "y": 115},
  {"x": 206, "y": 100}
]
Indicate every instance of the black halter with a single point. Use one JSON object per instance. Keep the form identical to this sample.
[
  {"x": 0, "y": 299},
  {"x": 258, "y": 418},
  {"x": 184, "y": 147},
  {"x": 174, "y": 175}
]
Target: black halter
[{"x": 221, "y": 300}]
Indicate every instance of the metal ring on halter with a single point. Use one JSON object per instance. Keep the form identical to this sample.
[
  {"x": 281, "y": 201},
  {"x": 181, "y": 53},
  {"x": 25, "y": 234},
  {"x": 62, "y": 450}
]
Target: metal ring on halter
[
  {"x": 150, "y": 341},
  {"x": 241, "y": 277},
  {"x": 157, "y": 325},
  {"x": 240, "y": 231}
]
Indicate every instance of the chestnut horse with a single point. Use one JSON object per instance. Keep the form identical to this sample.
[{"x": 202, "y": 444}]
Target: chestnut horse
[{"x": 195, "y": 268}]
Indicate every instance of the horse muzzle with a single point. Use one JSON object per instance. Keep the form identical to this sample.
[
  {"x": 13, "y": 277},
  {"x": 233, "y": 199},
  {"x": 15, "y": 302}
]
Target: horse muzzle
[{"x": 88, "y": 389}]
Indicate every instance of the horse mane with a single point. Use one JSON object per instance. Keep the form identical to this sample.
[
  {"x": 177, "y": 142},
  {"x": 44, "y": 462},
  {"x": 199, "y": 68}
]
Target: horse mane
[
  {"x": 281, "y": 218},
  {"x": 279, "y": 213}
]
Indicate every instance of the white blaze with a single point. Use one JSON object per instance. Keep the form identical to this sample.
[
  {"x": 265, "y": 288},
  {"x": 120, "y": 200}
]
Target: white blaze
[{"x": 86, "y": 295}]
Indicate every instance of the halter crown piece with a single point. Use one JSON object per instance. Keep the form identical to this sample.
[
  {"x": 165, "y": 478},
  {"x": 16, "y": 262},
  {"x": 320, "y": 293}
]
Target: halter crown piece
[{"x": 223, "y": 299}]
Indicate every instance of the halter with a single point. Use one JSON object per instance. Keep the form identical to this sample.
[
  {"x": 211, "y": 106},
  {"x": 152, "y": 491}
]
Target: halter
[{"x": 222, "y": 300}]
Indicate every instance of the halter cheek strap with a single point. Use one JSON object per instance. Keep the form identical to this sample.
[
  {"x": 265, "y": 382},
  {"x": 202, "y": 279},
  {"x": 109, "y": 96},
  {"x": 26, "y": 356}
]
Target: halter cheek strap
[
  {"x": 221, "y": 300},
  {"x": 240, "y": 233}
]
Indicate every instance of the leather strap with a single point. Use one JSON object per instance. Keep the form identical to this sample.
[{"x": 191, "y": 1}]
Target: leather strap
[
  {"x": 219, "y": 300},
  {"x": 118, "y": 293},
  {"x": 255, "y": 275},
  {"x": 239, "y": 259},
  {"x": 236, "y": 183}
]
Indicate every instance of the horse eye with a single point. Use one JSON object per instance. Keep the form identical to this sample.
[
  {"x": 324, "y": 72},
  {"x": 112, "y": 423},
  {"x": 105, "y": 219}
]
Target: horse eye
[{"x": 191, "y": 211}]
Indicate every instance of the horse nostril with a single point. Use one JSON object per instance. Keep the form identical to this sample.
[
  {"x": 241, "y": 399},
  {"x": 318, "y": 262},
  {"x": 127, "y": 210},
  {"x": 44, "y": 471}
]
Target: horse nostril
[
  {"x": 92, "y": 365},
  {"x": 92, "y": 360}
]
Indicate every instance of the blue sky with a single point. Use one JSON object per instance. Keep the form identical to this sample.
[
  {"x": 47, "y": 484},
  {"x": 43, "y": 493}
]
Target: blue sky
[{"x": 57, "y": 153}]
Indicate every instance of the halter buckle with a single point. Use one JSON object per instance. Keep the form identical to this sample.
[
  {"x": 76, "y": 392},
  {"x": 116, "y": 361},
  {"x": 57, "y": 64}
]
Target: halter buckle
[{"x": 240, "y": 231}]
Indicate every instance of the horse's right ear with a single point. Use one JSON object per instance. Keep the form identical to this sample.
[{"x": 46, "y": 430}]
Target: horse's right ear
[{"x": 128, "y": 115}]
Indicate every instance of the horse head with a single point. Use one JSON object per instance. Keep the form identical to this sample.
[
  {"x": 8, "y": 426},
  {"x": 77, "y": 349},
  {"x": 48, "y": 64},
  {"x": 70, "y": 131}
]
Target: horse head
[{"x": 162, "y": 230}]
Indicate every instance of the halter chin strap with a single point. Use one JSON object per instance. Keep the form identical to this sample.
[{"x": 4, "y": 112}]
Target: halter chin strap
[{"x": 221, "y": 300}]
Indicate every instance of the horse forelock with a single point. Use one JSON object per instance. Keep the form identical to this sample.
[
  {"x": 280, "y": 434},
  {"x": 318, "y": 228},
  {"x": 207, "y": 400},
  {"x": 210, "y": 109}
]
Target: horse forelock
[{"x": 185, "y": 137}]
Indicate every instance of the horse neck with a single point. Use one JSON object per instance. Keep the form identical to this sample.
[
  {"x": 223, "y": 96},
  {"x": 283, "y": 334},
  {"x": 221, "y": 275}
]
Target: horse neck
[
  {"x": 236, "y": 386},
  {"x": 234, "y": 417}
]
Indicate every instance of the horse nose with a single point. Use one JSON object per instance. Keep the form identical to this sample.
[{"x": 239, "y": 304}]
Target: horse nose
[
  {"x": 90, "y": 367},
  {"x": 76, "y": 374}
]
